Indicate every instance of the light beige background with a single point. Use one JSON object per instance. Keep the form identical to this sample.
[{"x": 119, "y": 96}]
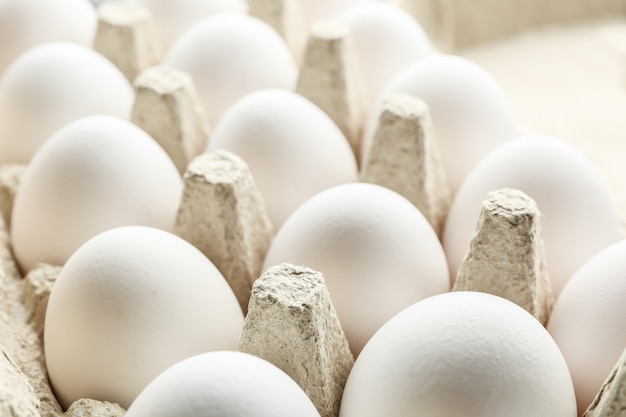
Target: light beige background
[{"x": 569, "y": 82}]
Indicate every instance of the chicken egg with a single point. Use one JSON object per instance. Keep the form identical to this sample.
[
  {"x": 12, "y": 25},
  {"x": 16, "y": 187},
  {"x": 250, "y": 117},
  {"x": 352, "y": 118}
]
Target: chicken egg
[
  {"x": 173, "y": 17},
  {"x": 50, "y": 86},
  {"x": 94, "y": 174},
  {"x": 470, "y": 112},
  {"x": 386, "y": 39},
  {"x": 230, "y": 55},
  {"x": 587, "y": 321},
  {"x": 293, "y": 149},
  {"x": 377, "y": 252},
  {"x": 128, "y": 304},
  {"x": 223, "y": 384},
  {"x": 578, "y": 216},
  {"x": 25, "y": 24},
  {"x": 466, "y": 354}
]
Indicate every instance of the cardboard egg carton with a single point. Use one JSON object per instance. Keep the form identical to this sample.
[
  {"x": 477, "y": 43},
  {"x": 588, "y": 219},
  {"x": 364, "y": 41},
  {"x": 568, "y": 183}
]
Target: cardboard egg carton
[{"x": 167, "y": 107}]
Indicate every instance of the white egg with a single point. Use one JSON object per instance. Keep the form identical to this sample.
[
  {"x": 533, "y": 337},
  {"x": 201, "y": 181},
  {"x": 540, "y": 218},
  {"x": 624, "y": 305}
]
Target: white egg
[
  {"x": 229, "y": 56},
  {"x": 588, "y": 321},
  {"x": 96, "y": 173},
  {"x": 470, "y": 112},
  {"x": 377, "y": 252},
  {"x": 578, "y": 217},
  {"x": 464, "y": 354},
  {"x": 50, "y": 86},
  {"x": 25, "y": 24},
  {"x": 293, "y": 149},
  {"x": 173, "y": 17},
  {"x": 386, "y": 39},
  {"x": 223, "y": 384},
  {"x": 129, "y": 303}
]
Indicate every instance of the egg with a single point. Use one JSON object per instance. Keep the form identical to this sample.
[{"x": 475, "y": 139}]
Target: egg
[
  {"x": 471, "y": 114},
  {"x": 588, "y": 321},
  {"x": 94, "y": 174},
  {"x": 229, "y": 56},
  {"x": 223, "y": 384},
  {"x": 466, "y": 354},
  {"x": 128, "y": 304},
  {"x": 50, "y": 86},
  {"x": 386, "y": 39},
  {"x": 25, "y": 24},
  {"x": 293, "y": 149},
  {"x": 173, "y": 17},
  {"x": 578, "y": 216},
  {"x": 376, "y": 250}
]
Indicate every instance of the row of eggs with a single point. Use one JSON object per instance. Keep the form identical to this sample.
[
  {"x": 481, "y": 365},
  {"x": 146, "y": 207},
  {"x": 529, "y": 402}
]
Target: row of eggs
[
  {"x": 355, "y": 234},
  {"x": 143, "y": 299}
]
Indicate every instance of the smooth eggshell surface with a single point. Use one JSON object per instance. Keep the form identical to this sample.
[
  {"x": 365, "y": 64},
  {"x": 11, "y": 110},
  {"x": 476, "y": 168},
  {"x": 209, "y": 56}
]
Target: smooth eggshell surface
[
  {"x": 229, "y": 56},
  {"x": 377, "y": 252},
  {"x": 386, "y": 39},
  {"x": 588, "y": 321},
  {"x": 128, "y": 304},
  {"x": 464, "y": 354},
  {"x": 96, "y": 173},
  {"x": 293, "y": 148},
  {"x": 25, "y": 24},
  {"x": 223, "y": 384},
  {"x": 50, "y": 86},
  {"x": 173, "y": 17},
  {"x": 470, "y": 112},
  {"x": 578, "y": 217}
]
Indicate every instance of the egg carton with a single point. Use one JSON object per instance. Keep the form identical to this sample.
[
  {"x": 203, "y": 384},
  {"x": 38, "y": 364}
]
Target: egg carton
[{"x": 220, "y": 198}]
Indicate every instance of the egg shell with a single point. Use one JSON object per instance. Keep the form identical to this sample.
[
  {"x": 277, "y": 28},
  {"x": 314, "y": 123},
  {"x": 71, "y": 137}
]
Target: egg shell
[
  {"x": 376, "y": 250},
  {"x": 587, "y": 321},
  {"x": 173, "y": 17},
  {"x": 50, "y": 86},
  {"x": 470, "y": 112},
  {"x": 230, "y": 55},
  {"x": 131, "y": 302},
  {"x": 293, "y": 149},
  {"x": 96, "y": 173},
  {"x": 386, "y": 39},
  {"x": 465, "y": 354},
  {"x": 578, "y": 217},
  {"x": 223, "y": 384},
  {"x": 25, "y": 24}
]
